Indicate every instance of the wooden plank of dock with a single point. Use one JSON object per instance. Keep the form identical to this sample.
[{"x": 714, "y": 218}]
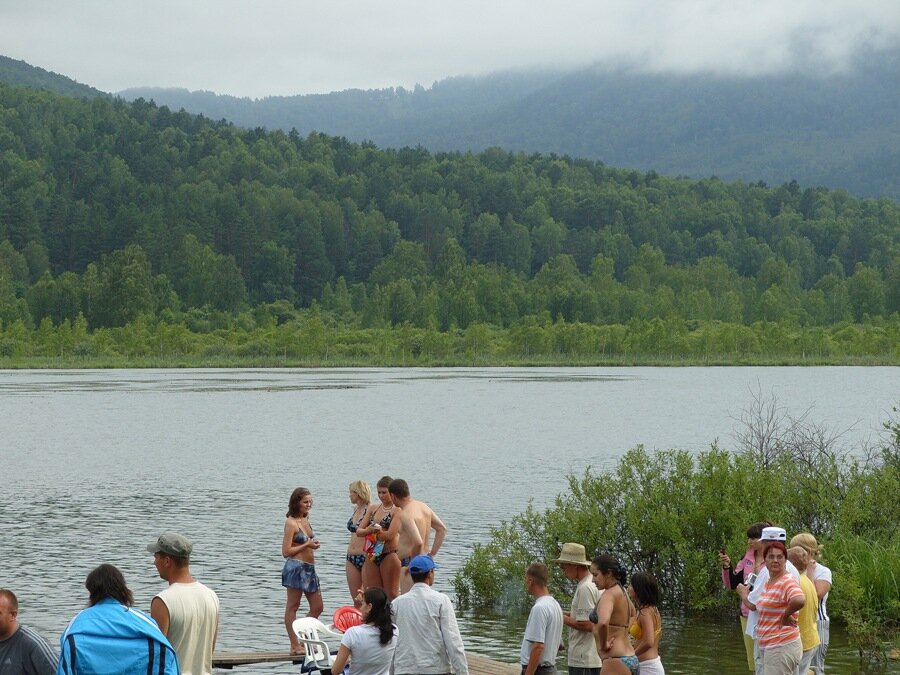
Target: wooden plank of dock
[
  {"x": 231, "y": 659},
  {"x": 478, "y": 665}
]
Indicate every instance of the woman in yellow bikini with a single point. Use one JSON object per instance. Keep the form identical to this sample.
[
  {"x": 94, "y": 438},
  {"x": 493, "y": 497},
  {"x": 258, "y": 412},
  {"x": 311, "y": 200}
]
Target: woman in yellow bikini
[
  {"x": 614, "y": 614},
  {"x": 647, "y": 626}
]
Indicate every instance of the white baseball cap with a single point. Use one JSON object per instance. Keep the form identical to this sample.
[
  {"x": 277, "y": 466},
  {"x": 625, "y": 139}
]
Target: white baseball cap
[{"x": 773, "y": 534}]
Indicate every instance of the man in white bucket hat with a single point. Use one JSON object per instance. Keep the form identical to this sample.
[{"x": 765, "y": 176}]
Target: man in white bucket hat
[{"x": 582, "y": 656}]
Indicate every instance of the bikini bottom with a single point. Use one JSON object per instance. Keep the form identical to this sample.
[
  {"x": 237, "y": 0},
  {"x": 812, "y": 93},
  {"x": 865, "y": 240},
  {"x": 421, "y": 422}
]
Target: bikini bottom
[{"x": 631, "y": 662}]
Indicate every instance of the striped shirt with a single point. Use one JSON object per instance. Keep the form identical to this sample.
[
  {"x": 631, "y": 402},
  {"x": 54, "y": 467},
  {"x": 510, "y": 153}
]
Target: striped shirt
[{"x": 773, "y": 602}]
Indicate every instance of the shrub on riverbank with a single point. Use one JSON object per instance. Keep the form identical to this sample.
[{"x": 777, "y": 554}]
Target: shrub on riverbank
[{"x": 670, "y": 511}]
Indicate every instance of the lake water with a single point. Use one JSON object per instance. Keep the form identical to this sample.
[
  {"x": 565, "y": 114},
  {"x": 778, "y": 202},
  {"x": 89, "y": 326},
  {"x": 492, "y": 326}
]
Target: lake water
[{"x": 96, "y": 463}]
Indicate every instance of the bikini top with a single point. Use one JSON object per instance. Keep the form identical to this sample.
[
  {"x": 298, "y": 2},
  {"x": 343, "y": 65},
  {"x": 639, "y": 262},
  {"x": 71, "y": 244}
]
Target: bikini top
[
  {"x": 637, "y": 632},
  {"x": 301, "y": 537},
  {"x": 386, "y": 521},
  {"x": 353, "y": 527},
  {"x": 630, "y": 610}
]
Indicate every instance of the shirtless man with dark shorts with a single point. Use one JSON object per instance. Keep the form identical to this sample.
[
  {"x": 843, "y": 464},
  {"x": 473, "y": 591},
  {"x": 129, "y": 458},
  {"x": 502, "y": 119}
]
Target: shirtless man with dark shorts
[{"x": 424, "y": 520}]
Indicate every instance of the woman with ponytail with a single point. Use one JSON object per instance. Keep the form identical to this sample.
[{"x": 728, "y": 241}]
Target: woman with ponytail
[
  {"x": 370, "y": 646},
  {"x": 614, "y": 614}
]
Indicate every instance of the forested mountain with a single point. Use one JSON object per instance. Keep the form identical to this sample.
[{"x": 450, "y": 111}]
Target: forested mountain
[
  {"x": 836, "y": 130},
  {"x": 20, "y": 73},
  {"x": 112, "y": 211}
]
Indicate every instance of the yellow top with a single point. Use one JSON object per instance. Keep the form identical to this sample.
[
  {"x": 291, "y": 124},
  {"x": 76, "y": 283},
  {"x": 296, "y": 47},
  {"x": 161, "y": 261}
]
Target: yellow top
[
  {"x": 637, "y": 633},
  {"x": 806, "y": 622}
]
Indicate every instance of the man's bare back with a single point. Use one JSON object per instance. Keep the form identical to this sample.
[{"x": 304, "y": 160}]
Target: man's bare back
[{"x": 424, "y": 520}]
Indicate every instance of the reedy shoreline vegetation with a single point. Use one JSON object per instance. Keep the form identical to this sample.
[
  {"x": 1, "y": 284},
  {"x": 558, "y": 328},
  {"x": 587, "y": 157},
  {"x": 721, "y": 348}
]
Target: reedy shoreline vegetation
[
  {"x": 281, "y": 336},
  {"x": 670, "y": 511}
]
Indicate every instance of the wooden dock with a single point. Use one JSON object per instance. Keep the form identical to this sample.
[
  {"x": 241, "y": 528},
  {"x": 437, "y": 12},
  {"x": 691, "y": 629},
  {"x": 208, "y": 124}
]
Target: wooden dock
[{"x": 478, "y": 665}]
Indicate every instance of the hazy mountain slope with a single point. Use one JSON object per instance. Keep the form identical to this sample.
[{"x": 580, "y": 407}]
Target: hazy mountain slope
[
  {"x": 839, "y": 131},
  {"x": 23, "y": 74}
]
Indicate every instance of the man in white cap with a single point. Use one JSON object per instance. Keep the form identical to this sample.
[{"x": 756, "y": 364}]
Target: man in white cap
[
  {"x": 428, "y": 638},
  {"x": 187, "y": 612},
  {"x": 753, "y": 592},
  {"x": 583, "y": 658}
]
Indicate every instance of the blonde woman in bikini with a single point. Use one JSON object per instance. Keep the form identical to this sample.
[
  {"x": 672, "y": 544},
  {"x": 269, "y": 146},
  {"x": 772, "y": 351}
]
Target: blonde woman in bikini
[
  {"x": 360, "y": 496},
  {"x": 383, "y": 521},
  {"x": 614, "y": 614}
]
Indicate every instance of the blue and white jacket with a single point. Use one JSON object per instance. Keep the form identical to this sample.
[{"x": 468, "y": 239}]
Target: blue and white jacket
[{"x": 111, "y": 638}]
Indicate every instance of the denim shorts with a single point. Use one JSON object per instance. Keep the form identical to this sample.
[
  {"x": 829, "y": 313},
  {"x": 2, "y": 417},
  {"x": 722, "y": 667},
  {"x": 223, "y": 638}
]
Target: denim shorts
[{"x": 299, "y": 574}]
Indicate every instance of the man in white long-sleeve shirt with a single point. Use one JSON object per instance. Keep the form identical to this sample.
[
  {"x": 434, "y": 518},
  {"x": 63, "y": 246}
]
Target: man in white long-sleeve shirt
[{"x": 428, "y": 639}]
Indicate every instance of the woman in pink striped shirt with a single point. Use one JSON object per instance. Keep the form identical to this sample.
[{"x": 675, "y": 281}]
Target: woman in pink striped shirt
[{"x": 776, "y": 630}]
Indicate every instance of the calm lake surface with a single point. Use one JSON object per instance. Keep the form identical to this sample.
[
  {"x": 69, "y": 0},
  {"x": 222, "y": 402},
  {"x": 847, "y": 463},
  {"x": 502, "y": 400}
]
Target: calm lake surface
[{"x": 95, "y": 464}]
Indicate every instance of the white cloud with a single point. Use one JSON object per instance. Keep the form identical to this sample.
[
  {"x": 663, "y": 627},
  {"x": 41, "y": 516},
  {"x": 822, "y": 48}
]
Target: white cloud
[{"x": 267, "y": 47}]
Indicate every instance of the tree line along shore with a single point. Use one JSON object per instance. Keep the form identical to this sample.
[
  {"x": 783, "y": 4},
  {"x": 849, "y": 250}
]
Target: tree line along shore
[{"x": 231, "y": 244}]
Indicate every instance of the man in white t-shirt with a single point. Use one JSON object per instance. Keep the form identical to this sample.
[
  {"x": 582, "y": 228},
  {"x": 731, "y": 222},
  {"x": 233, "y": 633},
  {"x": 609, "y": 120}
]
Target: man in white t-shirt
[
  {"x": 187, "y": 612},
  {"x": 543, "y": 632},
  {"x": 583, "y": 658}
]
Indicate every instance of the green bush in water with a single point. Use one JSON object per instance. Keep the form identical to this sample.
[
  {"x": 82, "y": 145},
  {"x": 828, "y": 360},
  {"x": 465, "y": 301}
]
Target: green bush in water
[{"x": 670, "y": 512}]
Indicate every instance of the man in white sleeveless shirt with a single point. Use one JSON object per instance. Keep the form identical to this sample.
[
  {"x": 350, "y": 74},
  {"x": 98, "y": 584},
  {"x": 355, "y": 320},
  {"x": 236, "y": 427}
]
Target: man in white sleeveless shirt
[{"x": 187, "y": 612}]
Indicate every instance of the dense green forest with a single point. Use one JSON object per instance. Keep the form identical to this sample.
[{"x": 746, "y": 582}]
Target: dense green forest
[
  {"x": 127, "y": 229},
  {"x": 834, "y": 129}
]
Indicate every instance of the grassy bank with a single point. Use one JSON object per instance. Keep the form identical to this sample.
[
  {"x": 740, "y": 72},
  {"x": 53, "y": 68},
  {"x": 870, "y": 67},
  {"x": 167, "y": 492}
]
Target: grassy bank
[
  {"x": 547, "y": 360},
  {"x": 273, "y": 336},
  {"x": 460, "y": 361}
]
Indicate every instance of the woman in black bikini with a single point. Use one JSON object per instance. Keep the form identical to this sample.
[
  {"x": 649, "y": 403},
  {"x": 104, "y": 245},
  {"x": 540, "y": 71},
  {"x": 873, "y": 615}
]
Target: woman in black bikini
[
  {"x": 614, "y": 614},
  {"x": 382, "y": 566},
  {"x": 360, "y": 496}
]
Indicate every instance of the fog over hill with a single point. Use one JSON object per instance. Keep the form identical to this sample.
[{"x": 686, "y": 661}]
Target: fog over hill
[{"x": 840, "y": 130}]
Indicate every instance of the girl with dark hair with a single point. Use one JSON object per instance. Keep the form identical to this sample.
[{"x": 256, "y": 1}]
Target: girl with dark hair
[
  {"x": 614, "y": 614},
  {"x": 110, "y": 636},
  {"x": 106, "y": 581},
  {"x": 298, "y": 575},
  {"x": 647, "y": 627},
  {"x": 370, "y": 646}
]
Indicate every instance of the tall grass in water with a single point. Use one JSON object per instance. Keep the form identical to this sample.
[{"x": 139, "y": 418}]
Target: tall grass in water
[{"x": 866, "y": 591}]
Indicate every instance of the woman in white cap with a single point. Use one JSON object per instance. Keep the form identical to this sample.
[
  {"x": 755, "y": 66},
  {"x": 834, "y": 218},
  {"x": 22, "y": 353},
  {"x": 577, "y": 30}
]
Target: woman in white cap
[{"x": 821, "y": 578}]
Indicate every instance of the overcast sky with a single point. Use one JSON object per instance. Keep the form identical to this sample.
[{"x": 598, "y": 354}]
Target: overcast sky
[{"x": 283, "y": 47}]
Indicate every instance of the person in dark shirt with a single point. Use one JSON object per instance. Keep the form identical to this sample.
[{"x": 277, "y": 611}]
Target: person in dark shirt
[{"x": 22, "y": 651}]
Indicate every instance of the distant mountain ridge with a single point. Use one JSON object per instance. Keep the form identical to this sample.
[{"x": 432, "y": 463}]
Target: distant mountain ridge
[
  {"x": 839, "y": 131},
  {"x": 20, "y": 73}
]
